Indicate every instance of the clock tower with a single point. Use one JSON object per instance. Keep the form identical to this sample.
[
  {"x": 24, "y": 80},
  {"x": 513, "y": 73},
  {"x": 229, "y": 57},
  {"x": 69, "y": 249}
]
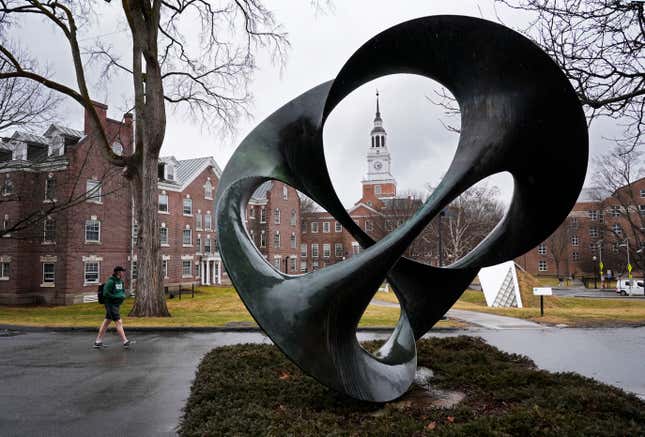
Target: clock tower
[{"x": 379, "y": 183}]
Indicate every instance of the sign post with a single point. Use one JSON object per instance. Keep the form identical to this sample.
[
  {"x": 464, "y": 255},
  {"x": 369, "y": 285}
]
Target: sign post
[{"x": 542, "y": 291}]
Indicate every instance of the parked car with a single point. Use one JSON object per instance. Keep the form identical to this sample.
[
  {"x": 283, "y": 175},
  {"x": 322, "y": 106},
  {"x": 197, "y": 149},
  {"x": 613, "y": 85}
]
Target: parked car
[{"x": 630, "y": 287}]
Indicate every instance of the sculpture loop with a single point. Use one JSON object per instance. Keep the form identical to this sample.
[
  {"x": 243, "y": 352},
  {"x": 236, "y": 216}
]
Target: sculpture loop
[{"x": 519, "y": 114}]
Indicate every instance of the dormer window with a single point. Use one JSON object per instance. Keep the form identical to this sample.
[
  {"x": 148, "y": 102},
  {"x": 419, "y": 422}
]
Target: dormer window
[{"x": 170, "y": 172}]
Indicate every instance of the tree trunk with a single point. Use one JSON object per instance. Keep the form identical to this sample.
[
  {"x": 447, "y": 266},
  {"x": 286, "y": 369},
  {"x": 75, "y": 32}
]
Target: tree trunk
[{"x": 150, "y": 300}]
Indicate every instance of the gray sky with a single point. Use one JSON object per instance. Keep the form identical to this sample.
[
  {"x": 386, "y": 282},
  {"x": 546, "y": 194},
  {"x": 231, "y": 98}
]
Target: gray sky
[{"x": 421, "y": 147}]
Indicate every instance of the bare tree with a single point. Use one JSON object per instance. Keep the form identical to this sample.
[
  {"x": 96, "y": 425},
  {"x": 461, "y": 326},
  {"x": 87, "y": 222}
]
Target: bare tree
[
  {"x": 208, "y": 76},
  {"x": 599, "y": 45},
  {"x": 557, "y": 245}
]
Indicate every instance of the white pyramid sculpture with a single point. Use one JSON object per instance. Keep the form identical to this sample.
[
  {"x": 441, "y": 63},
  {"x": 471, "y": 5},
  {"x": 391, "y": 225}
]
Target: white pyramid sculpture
[{"x": 500, "y": 285}]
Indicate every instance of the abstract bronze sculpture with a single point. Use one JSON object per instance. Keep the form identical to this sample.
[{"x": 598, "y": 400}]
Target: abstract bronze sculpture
[{"x": 518, "y": 114}]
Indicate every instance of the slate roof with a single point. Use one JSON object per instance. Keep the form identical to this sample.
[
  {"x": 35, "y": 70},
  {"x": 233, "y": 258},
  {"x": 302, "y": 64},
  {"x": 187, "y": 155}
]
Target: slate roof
[
  {"x": 30, "y": 138},
  {"x": 187, "y": 169},
  {"x": 261, "y": 192},
  {"x": 67, "y": 131}
]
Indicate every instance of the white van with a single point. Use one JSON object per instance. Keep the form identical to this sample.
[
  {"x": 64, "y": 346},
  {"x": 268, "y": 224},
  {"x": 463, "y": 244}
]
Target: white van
[{"x": 630, "y": 287}]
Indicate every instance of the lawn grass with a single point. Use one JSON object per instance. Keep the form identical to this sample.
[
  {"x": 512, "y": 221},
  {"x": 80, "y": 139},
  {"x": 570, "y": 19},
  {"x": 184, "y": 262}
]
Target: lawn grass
[
  {"x": 211, "y": 307},
  {"x": 255, "y": 390}
]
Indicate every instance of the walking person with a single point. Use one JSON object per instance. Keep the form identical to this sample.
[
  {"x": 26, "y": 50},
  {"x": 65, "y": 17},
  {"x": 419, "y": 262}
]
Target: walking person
[{"x": 114, "y": 294}]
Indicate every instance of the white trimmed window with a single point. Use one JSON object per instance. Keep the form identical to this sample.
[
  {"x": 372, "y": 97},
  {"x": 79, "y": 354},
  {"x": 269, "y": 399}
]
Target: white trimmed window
[
  {"x": 188, "y": 206},
  {"x": 303, "y": 251},
  {"x": 292, "y": 220},
  {"x": 263, "y": 214},
  {"x": 593, "y": 232},
  {"x": 642, "y": 194},
  {"x": 163, "y": 202},
  {"x": 314, "y": 250},
  {"x": 49, "y": 231},
  {"x": 314, "y": 265},
  {"x": 4, "y": 270},
  {"x": 198, "y": 244},
  {"x": 574, "y": 240},
  {"x": 292, "y": 264},
  {"x": 208, "y": 246},
  {"x": 93, "y": 191},
  {"x": 326, "y": 227},
  {"x": 92, "y": 231},
  {"x": 276, "y": 216},
  {"x": 163, "y": 235},
  {"x": 170, "y": 172},
  {"x": 49, "y": 273},
  {"x": 314, "y": 227},
  {"x": 50, "y": 188},
  {"x": 186, "y": 268},
  {"x": 641, "y": 209},
  {"x": 252, "y": 212},
  {"x": 338, "y": 227},
  {"x": 187, "y": 237},
  {"x": 616, "y": 229},
  {"x": 542, "y": 266},
  {"x": 369, "y": 227},
  {"x": 575, "y": 256},
  {"x": 303, "y": 266},
  {"x": 615, "y": 211},
  {"x": 377, "y": 189},
  {"x": 303, "y": 227},
  {"x": 338, "y": 249},
  {"x": 285, "y": 192},
  {"x": 208, "y": 190},
  {"x": 263, "y": 239},
  {"x": 277, "y": 261},
  {"x": 276, "y": 239},
  {"x": 5, "y": 224},
  {"x": 91, "y": 272},
  {"x": 542, "y": 249},
  {"x": 326, "y": 250},
  {"x": 593, "y": 214},
  {"x": 164, "y": 267},
  {"x": 198, "y": 221},
  {"x": 208, "y": 221},
  {"x": 7, "y": 187},
  {"x": 292, "y": 240}
]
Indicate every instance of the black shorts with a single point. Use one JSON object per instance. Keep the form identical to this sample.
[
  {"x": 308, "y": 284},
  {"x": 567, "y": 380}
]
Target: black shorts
[{"x": 112, "y": 311}]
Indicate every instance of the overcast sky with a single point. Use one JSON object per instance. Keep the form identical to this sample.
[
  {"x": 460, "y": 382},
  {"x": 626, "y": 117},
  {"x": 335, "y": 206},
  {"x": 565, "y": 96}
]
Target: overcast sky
[{"x": 420, "y": 146}]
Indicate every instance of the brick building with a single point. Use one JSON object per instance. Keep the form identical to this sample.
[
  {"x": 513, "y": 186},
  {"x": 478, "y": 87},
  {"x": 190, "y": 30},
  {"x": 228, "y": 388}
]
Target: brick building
[
  {"x": 65, "y": 255},
  {"x": 600, "y": 225}
]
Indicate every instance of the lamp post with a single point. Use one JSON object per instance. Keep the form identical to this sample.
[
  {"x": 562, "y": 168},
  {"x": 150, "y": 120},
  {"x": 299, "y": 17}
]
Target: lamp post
[{"x": 595, "y": 272}]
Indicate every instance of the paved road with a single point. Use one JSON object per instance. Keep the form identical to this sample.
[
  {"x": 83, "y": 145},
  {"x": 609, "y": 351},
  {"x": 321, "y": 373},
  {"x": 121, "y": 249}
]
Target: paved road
[{"x": 54, "y": 384}]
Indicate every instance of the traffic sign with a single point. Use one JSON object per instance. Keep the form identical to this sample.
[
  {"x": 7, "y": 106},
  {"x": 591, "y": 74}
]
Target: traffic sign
[
  {"x": 602, "y": 266},
  {"x": 629, "y": 268}
]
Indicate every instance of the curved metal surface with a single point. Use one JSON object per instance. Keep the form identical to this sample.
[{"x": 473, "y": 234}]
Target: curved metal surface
[{"x": 519, "y": 114}]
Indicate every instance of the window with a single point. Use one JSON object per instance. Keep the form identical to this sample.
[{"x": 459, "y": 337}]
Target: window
[
  {"x": 593, "y": 232},
  {"x": 542, "y": 267},
  {"x": 338, "y": 249},
  {"x": 292, "y": 239},
  {"x": 575, "y": 256},
  {"x": 292, "y": 220},
  {"x": 326, "y": 250},
  {"x": 642, "y": 193},
  {"x": 285, "y": 192},
  {"x": 4, "y": 270},
  {"x": 276, "y": 216},
  {"x": 276, "y": 262},
  {"x": 303, "y": 266},
  {"x": 615, "y": 211},
  {"x": 593, "y": 214},
  {"x": 134, "y": 274},
  {"x": 314, "y": 227},
  {"x": 303, "y": 251},
  {"x": 188, "y": 206},
  {"x": 326, "y": 227},
  {"x": 574, "y": 240},
  {"x": 163, "y": 202},
  {"x": 377, "y": 189},
  {"x": 338, "y": 227},
  {"x": 292, "y": 264},
  {"x": 186, "y": 268},
  {"x": 263, "y": 239},
  {"x": 616, "y": 229},
  {"x": 314, "y": 265},
  {"x": 164, "y": 267},
  {"x": 593, "y": 247},
  {"x": 50, "y": 188},
  {"x": 170, "y": 172},
  {"x": 369, "y": 227},
  {"x": 198, "y": 244},
  {"x": 7, "y": 187},
  {"x": 208, "y": 245},
  {"x": 198, "y": 221},
  {"x": 91, "y": 273},
  {"x": 314, "y": 250},
  {"x": 163, "y": 236},
  {"x": 92, "y": 231},
  {"x": 187, "y": 239},
  {"x": 135, "y": 233},
  {"x": 93, "y": 191},
  {"x": 252, "y": 212},
  {"x": 208, "y": 190},
  {"x": 49, "y": 235},
  {"x": 263, "y": 215},
  {"x": 5, "y": 225},
  {"x": 208, "y": 220},
  {"x": 49, "y": 273},
  {"x": 389, "y": 225},
  {"x": 542, "y": 249},
  {"x": 303, "y": 227},
  {"x": 641, "y": 209},
  {"x": 276, "y": 239}
]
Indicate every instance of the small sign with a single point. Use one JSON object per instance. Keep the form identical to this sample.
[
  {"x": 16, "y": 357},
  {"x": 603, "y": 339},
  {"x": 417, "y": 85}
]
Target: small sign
[
  {"x": 629, "y": 268},
  {"x": 542, "y": 291},
  {"x": 602, "y": 266}
]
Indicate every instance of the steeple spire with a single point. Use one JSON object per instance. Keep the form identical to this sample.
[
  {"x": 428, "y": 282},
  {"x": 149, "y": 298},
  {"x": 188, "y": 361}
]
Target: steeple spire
[{"x": 378, "y": 110}]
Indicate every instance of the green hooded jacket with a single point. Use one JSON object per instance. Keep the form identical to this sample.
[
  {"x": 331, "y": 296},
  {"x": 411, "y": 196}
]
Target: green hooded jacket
[{"x": 114, "y": 290}]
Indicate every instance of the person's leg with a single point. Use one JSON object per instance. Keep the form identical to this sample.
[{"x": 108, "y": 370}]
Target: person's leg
[
  {"x": 120, "y": 331},
  {"x": 102, "y": 330}
]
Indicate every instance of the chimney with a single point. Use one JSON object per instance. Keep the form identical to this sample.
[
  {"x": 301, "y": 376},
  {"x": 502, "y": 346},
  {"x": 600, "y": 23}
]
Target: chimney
[{"x": 101, "y": 110}]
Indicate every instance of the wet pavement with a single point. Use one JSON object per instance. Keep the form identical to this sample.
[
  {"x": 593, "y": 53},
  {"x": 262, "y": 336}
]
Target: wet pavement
[{"x": 53, "y": 383}]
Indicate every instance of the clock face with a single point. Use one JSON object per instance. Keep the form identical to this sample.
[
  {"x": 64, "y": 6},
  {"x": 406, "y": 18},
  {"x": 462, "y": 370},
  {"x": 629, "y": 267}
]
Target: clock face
[
  {"x": 378, "y": 165},
  {"x": 117, "y": 148}
]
